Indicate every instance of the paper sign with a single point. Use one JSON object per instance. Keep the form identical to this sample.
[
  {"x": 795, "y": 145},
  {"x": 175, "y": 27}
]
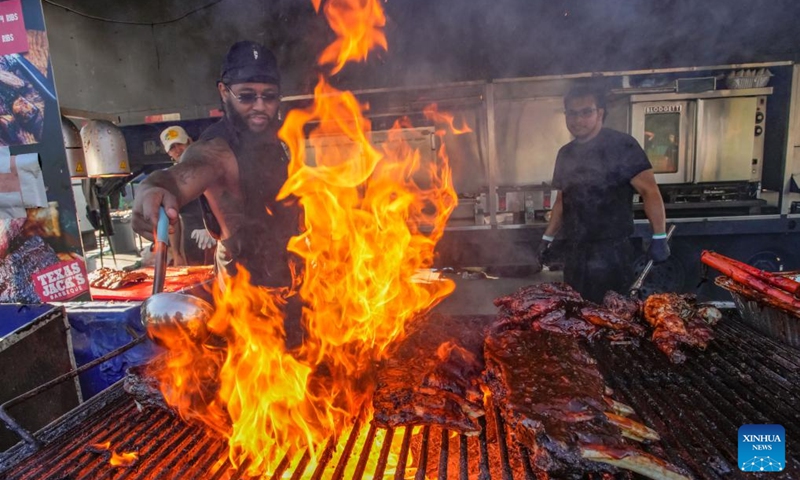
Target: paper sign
[
  {"x": 11, "y": 204},
  {"x": 31, "y": 180},
  {"x": 61, "y": 281},
  {"x": 13, "y": 38}
]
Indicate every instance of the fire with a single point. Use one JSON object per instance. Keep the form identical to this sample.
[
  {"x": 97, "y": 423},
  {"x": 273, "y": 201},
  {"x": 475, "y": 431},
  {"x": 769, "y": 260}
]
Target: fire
[
  {"x": 358, "y": 25},
  {"x": 372, "y": 218},
  {"x": 100, "y": 446},
  {"x": 125, "y": 459}
]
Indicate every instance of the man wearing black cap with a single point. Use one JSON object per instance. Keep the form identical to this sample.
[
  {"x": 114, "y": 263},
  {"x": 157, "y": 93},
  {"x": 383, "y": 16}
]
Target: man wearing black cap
[{"x": 240, "y": 165}]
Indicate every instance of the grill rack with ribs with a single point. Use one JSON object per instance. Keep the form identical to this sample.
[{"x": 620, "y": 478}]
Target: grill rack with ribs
[
  {"x": 553, "y": 398},
  {"x": 671, "y": 320}
]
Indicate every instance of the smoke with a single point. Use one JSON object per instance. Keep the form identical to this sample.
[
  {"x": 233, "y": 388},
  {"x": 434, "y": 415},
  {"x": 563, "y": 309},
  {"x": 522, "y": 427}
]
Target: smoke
[{"x": 116, "y": 68}]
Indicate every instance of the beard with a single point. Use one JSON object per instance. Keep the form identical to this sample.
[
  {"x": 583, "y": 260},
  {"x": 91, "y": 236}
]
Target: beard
[{"x": 240, "y": 122}]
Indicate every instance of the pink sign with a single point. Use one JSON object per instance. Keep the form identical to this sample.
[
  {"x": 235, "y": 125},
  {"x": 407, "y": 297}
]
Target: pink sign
[
  {"x": 61, "y": 281},
  {"x": 13, "y": 38}
]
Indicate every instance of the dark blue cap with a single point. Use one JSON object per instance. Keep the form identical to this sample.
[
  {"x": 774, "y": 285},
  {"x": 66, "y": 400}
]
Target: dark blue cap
[{"x": 250, "y": 62}]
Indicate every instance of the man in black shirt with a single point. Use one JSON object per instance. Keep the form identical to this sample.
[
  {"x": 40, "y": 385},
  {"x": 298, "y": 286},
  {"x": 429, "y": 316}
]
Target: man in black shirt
[{"x": 596, "y": 176}]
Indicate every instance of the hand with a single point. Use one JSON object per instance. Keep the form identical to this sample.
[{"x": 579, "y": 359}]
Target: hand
[
  {"x": 203, "y": 238},
  {"x": 659, "y": 250},
  {"x": 145, "y": 210},
  {"x": 543, "y": 250}
]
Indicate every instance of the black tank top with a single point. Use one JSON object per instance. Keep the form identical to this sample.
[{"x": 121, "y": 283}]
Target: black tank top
[{"x": 265, "y": 225}]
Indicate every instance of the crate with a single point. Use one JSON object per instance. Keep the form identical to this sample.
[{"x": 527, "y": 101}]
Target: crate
[{"x": 769, "y": 319}]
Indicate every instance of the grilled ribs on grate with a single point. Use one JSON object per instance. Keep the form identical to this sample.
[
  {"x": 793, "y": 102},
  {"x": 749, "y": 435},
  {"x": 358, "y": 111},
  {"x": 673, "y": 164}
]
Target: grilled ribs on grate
[
  {"x": 553, "y": 398},
  {"x": 556, "y": 307},
  {"x": 433, "y": 376},
  {"x": 677, "y": 322}
]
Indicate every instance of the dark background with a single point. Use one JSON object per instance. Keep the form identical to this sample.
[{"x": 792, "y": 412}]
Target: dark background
[{"x": 133, "y": 69}]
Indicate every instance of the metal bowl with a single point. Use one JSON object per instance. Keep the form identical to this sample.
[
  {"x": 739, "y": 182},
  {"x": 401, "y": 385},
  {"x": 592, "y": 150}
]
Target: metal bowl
[{"x": 168, "y": 316}]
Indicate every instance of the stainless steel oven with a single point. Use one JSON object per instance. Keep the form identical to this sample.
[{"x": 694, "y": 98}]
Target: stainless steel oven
[
  {"x": 665, "y": 129},
  {"x": 714, "y": 137}
]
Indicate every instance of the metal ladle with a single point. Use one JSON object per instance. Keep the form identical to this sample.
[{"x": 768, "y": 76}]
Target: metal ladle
[{"x": 165, "y": 315}]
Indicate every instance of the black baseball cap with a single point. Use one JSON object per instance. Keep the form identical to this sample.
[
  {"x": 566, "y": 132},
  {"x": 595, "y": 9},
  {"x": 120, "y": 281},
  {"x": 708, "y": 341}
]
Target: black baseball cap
[{"x": 249, "y": 62}]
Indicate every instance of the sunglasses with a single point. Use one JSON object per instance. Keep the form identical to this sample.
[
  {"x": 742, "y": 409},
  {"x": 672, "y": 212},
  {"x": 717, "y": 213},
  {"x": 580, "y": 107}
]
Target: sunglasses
[{"x": 249, "y": 98}]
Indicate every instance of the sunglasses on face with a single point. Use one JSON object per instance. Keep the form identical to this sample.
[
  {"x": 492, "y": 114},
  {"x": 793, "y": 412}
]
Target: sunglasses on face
[
  {"x": 585, "y": 113},
  {"x": 249, "y": 98}
]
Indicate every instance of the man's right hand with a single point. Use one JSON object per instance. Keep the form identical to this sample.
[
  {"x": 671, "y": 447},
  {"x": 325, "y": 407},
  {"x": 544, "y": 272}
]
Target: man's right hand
[{"x": 145, "y": 210}]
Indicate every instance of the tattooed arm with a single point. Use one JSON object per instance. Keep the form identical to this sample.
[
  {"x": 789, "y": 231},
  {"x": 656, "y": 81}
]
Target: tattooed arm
[{"x": 202, "y": 166}]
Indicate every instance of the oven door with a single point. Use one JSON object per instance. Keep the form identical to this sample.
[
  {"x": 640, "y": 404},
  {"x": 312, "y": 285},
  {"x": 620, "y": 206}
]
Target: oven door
[{"x": 665, "y": 130}]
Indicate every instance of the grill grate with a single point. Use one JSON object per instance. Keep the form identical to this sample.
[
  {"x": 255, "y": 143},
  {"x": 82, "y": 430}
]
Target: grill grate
[{"x": 697, "y": 408}]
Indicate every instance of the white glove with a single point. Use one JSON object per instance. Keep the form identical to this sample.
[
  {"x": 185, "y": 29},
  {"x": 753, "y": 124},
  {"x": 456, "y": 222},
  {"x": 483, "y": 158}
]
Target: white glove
[{"x": 203, "y": 238}]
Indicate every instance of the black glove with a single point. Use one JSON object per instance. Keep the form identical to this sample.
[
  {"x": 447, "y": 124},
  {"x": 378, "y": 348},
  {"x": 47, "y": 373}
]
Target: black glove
[
  {"x": 659, "y": 250},
  {"x": 543, "y": 250}
]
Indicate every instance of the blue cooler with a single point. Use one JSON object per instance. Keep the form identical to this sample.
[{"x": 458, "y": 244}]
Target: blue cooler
[{"x": 99, "y": 328}]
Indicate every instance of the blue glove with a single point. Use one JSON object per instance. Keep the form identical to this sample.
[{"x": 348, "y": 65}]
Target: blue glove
[{"x": 659, "y": 249}]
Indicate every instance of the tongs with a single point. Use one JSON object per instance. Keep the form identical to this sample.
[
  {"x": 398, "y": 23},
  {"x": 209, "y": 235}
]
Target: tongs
[{"x": 635, "y": 289}]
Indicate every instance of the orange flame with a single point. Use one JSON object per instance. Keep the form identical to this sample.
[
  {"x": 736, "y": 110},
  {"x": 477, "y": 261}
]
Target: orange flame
[
  {"x": 125, "y": 459},
  {"x": 372, "y": 218},
  {"x": 100, "y": 446},
  {"x": 449, "y": 349},
  {"x": 358, "y": 25}
]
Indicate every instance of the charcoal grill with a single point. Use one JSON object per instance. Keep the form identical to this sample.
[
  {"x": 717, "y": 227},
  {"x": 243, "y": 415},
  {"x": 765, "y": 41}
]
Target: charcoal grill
[{"x": 743, "y": 377}]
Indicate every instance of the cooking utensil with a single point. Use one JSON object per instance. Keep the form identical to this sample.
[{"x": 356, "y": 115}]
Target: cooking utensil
[
  {"x": 637, "y": 285},
  {"x": 161, "y": 246},
  {"x": 166, "y": 315}
]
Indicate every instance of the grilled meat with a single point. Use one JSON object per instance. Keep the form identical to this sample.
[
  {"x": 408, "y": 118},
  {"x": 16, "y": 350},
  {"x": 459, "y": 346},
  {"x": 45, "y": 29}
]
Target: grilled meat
[
  {"x": 538, "y": 299},
  {"x": 556, "y": 307},
  {"x": 603, "y": 317},
  {"x": 552, "y": 396},
  {"x": 18, "y": 266},
  {"x": 676, "y": 322},
  {"x": 9, "y": 80},
  {"x": 10, "y": 231},
  {"x": 433, "y": 378},
  {"x": 111, "y": 279},
  {"x": 25, "y": 111},
  {"x": 624, "y": 307}
]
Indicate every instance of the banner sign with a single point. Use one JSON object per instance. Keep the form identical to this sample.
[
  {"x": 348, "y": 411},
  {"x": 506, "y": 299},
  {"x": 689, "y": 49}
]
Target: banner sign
[
  {"x": 62, "y": 281},
  {"x": 13, "y": 37}
]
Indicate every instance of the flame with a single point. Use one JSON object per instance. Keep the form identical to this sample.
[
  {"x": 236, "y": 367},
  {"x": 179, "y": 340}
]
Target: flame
[
  {"x": 372, "y": 218},
  {"x": 448, "y": 350},
  {"x": 124, "y": 459},
  {"x": 358, "y": 25},
  {"x": 100, "y": 446}
]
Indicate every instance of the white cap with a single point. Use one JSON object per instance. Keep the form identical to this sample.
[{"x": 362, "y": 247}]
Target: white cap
[{"x": 173, "y": 135}]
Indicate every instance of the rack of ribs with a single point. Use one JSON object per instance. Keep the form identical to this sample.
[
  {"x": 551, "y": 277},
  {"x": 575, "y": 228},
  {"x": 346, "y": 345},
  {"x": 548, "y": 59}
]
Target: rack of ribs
[
  {"x": 556, "y": 307},
  {"x": 111, "y": 279},
  {"x": 550, "y": 393},
  {"x": 433, "y": 376}
]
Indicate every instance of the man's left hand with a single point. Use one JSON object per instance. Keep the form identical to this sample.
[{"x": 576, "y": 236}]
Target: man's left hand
[{"x": 659, "y": 250}]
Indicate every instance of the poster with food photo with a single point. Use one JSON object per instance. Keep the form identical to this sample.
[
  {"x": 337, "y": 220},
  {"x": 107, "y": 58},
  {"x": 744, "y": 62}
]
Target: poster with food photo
[
  {"x": 41, "y": 256},
  {"x": 25, "y": 80}
]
